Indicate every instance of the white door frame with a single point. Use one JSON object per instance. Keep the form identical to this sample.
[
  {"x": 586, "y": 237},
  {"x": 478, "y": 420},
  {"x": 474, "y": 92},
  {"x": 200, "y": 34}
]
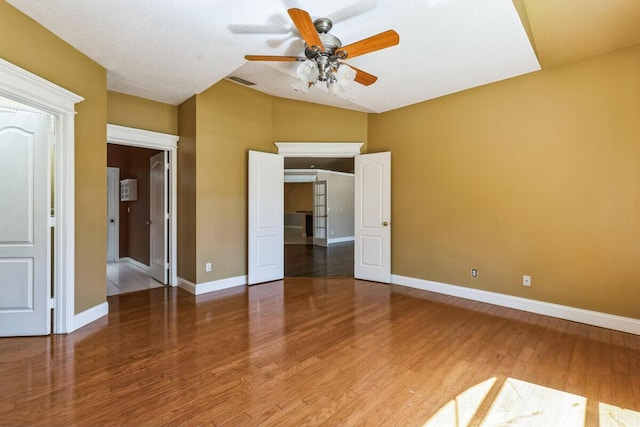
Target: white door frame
[
  {"x": 114, "y": 197},
  {"x": 25, "y": 87},
  {"x": 133, "y": 137}
]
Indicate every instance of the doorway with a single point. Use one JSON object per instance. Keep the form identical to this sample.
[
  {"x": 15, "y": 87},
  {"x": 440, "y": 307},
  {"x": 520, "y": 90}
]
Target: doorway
[
  {"x": 319, "y": 218},
  {"x": 130, "y": 215},
  {"x": 19, "y": 85},
  {"x": 148, "y": 223},
  {"x": 372, "y": 210}
]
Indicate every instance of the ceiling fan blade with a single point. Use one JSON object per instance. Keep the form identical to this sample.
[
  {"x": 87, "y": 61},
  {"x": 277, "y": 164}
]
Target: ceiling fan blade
[
  {"x": 274, "y": 58},
  {"x": 362, "y": 77},
  {"x": 305, "y": 27},
  {"x": 370, "y": 44}
]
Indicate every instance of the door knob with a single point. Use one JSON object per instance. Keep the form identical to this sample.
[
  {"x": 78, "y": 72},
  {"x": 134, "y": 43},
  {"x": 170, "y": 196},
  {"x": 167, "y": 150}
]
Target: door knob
[
  {"x": 386, "y": 224},
  {"x": 112, "y": 221},
  {"x": 148, "y": 222}
]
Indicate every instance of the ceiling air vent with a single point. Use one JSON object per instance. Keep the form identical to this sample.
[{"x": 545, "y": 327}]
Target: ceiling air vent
[{"x": 241, "y": 81}]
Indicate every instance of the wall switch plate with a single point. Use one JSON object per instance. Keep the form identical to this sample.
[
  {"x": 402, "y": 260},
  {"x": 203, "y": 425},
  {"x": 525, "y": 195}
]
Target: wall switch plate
[
  {"x": 474, "y": 272},
  {"x": 526, "y": 280},
  {"x": 207, "y": 267}
]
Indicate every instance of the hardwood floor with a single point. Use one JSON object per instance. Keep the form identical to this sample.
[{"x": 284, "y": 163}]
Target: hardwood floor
[
  {"x": 319, "y": 352},
  {"x": 336, "y": 260}
]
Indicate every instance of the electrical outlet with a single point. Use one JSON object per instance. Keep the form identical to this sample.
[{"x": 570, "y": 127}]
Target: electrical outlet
[
  {"x": 526, "y": 280},
  {"x": 207, "y": 267},
  {"x": 474, "y": 272}
]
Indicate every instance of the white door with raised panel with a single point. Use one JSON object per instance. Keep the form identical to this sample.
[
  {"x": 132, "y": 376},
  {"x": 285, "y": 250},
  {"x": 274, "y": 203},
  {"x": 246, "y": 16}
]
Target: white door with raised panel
[
  {"x": 266, "y": 217},
  {"x": 158, "y": 218},
  {"x": 113, "y": 206},
  {"x": 320, "y": 213},
  {"x": 25, "y": 286},
  {"x": 372, "y": 251}
]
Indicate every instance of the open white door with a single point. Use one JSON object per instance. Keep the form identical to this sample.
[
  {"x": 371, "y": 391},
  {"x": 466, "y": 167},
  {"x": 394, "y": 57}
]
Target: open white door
[
  {"x": 158, "y": 218},
  {"x": 25, "y": 286},
  {"x": 113, "y": 206},
  {"x": 320, "y": 213},
  {"x": 372, "y": 256},
  {"x": 266, "y": 217}
]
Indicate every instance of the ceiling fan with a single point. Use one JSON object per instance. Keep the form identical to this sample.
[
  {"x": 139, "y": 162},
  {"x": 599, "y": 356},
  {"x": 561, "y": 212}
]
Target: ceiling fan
[{"x": 324, "y": 54}]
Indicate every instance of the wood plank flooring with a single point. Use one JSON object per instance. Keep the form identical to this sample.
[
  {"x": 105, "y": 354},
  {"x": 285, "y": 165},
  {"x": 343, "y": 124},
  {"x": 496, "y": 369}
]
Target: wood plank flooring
[
  {"x": 336, "y": 260},
  {"x": 318, "y": 352}
]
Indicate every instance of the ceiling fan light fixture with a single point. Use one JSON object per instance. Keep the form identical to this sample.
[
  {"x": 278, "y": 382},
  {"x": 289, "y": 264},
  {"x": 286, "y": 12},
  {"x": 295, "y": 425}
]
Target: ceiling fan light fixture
[
  {"x": 308, "y": 71},
  {"x": 334, "y": 88},
  {"x": 345, "y": 75}
]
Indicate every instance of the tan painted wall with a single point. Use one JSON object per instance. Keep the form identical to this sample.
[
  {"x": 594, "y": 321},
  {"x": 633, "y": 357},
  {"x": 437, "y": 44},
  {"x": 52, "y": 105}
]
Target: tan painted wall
[
  {"x": 140, "y": 113},
  {"x": 230, "y": 121},
  {"x": 536, "y": 175},
  {"x": 296, "y": 121},
  {"x": 298, "y": 196},
  {"x": 187, "y": 190},
  {"x": 26, "y": 44}
]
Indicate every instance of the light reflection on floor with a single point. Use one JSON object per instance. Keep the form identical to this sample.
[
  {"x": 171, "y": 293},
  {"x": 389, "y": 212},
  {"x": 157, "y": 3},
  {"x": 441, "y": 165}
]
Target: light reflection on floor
[{"x": 521, "y": 403}]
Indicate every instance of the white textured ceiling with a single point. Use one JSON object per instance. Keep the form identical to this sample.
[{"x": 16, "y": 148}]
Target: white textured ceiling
[{"x": 169, "y": 50}]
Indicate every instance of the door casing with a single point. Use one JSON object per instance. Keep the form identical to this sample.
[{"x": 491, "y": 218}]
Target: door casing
[
  {"x": 23, "y": 86},
  {"x": 133, "y": 137}
]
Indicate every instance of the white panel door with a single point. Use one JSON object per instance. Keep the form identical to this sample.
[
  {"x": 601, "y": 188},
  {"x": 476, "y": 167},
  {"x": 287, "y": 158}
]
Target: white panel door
[
  {"x": 25, "y": 286},
  {"x": 373, "y": 217},
  {"x": 320, "y": 213},
  {"x": 266, "y": 217},
  {"x": 113, "y": 206},
  {"x": 158, "y": 217}
]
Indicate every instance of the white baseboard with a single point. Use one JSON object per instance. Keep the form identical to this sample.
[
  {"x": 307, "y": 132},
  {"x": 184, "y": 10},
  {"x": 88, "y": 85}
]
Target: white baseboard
[
  {"x": 595, "y": 318},
  {"x": 341, "y": 239},
  {"x": 135, "y": 263},
  {"x": 216, "y": 285},
  {"x": 90, "y": 315}
]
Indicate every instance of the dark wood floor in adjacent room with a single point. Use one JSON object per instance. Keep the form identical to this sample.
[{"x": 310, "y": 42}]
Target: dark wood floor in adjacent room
[
  {"x": 317, "y": 352},
  {"x": 336, "y": 260}
]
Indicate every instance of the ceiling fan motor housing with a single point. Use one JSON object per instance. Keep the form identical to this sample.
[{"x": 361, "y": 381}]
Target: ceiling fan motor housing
[{"x": 329, "y": 42}]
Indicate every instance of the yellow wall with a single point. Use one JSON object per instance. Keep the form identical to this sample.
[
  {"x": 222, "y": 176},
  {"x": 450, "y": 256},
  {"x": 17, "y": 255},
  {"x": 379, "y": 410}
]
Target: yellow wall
[
  {"x": 536, "y": 175},
  {"x": 298, "y": 196},
  {"x": 26, "y": 44},
  {"x": 296, "y": 121},
  {"x": 187, "y": 190},
  {"x": 140, "y": 113},
  {"x": 231, "y": 120}
]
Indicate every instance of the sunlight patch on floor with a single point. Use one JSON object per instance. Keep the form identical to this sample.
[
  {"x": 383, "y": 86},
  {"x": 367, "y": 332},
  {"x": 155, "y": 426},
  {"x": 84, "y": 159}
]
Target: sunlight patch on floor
[
  {"x": 525, "y": 404},
  {"x": 612, "y": 416},
  {"x": 460, "y": 410}
]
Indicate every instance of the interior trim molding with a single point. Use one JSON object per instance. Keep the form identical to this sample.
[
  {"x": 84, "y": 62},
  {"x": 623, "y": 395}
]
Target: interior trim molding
[
  {"x": 141, "y": 138},
  {"x": 23, "y": 86},
  {"x": 319, "y": 149},
  {"x": 594, "y": 318},
  {"x": 215, "y": 285},
  {"x": 90, "y": 315},
  {"x": 341, "y": 239}
]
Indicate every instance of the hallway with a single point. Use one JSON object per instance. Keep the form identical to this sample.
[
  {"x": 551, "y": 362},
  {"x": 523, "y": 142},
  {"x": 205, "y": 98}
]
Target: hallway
[{"x": 124, "y": 277}]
